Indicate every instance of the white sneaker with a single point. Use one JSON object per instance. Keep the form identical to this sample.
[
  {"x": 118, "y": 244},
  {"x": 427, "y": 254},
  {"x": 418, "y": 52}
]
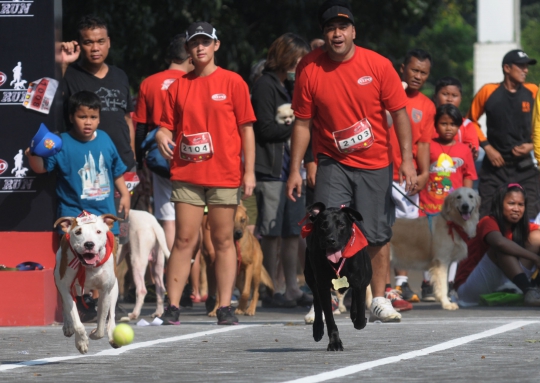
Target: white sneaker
[
  {"x": 532, "y": 297},
  {"x": 382, "y": 310}
]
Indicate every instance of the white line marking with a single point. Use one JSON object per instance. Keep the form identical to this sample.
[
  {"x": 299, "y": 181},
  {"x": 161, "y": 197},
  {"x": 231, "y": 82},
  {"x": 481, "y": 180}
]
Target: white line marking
[
  {"x": 409, "y": 355},
  {"x": 121, "y": 350}
]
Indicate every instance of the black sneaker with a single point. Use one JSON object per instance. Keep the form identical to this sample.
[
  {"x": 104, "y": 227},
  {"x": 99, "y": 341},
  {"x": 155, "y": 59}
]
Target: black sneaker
[
  {"x": 225, "y": 316},
  {"x": 87, "y": 310},
  {"x": 406, "y": 293},
  {"x": 171, "y": 316},
  {"x": 427, "y": 292}
]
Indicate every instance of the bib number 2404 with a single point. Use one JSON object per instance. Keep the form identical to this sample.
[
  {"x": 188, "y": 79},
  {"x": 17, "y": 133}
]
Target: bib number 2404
[
  {"x": 359, "y": 136},
  {"x": 196, "y": 147}
]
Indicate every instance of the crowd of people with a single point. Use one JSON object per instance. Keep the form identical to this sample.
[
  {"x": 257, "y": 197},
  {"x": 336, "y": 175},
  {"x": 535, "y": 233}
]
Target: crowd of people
[{"x": 326, "y": 122}]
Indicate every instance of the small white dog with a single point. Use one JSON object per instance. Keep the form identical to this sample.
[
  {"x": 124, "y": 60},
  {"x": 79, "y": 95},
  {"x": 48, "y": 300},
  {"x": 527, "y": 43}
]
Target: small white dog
[
  {"x": 284, "y": 114},
  {"x": 86, "y": 259},
  {"x": 146, "y": 239}
]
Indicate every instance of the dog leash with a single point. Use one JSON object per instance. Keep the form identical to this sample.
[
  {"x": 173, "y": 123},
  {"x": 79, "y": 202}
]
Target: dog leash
[{"x": 428, "y": 215}]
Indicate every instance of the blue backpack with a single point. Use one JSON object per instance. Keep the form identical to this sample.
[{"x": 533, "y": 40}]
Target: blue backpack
[{"x": 153, "y": 158}]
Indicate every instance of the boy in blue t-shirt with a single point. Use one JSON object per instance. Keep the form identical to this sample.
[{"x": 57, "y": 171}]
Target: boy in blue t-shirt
[{"x": 88, "y": 166}]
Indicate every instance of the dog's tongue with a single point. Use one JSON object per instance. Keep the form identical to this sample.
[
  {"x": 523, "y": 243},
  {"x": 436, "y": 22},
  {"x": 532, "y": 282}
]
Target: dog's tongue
[
  {"x": 466, "y": 216},
  {"x": 91, "y": 259},
  {"x": 333, "y": 257}
]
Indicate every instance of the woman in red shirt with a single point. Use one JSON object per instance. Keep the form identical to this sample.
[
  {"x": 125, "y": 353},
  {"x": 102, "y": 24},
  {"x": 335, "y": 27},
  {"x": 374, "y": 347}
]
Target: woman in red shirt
[
  {"x": 208, "y": 113},
  {"x": 505, "y": 249}
]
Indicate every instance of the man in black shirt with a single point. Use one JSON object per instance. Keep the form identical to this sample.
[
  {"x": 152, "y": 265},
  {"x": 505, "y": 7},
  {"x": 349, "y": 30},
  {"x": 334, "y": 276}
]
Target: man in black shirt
[
  {"x": 508, "y": 143},
  {"x": 107, "y": 81}
]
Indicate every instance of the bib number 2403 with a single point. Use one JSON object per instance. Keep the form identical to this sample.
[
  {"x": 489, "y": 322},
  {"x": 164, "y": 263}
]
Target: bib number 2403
[{"x": 359, "y": 136}]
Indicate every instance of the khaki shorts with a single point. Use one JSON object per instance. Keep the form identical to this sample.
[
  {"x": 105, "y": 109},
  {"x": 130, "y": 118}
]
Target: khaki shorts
[{"x": 201, "y": 196}]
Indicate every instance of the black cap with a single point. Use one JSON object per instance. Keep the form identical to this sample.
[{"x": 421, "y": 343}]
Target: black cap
[
  {"x": 332, "y": 9},
  {"x": 200, "y": 28},
  {"x": 517, "y": 56}
]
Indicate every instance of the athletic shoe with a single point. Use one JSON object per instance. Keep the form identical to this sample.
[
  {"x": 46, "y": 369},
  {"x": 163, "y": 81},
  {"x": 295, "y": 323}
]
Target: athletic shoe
[
  {"x": 532, "y": 297},
  {"x": 171, "y": 316},
  {"x": 407, "y": 293},
  {"x": 86, "y": 307},
  {"x": 397, "y": 302},
  {"x": 382, "y": 310},
  {"x": 225, "y": 316},
  {"x": 427, "y": 292}
]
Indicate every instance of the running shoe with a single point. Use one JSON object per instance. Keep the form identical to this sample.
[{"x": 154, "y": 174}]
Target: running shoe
[
  {"x": 532, "y": 297},
  {"x": 225, "y": 316},
  {"x": 407, "y": 293},
  {"x": 382, "y": 310},
  {"x": 397, "y": 302},
  {"x": 427, "y": 292},
  {"x": 171, "y": 316}
]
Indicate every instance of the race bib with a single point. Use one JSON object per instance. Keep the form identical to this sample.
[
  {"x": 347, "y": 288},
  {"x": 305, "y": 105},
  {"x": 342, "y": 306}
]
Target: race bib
[
  {"x": 356, "y": 137},
  {"x": 40, "y": 95},
  {"x": 196, "y": 147}
]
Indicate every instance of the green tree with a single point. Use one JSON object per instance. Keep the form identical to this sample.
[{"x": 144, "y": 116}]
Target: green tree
[{"x": 530, "y": 37}]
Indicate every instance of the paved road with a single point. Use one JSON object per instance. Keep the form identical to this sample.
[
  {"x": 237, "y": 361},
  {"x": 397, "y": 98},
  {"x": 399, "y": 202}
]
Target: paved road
[{"x": 430, "y": 344}]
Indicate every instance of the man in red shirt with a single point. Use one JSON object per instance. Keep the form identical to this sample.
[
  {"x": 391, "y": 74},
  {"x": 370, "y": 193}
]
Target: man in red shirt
[
  {"x": 152, "y": 96},
  {"x": 421, "y": 111},
  {"x": 345, "y": 92}
]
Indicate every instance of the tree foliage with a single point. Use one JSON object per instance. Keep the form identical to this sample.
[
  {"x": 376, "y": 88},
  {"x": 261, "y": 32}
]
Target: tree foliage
[{"x": 530, "y": 37}]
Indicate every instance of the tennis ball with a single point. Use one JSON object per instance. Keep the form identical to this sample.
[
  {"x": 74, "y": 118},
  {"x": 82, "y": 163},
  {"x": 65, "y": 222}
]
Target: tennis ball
[{"x": 123, "y": 334}]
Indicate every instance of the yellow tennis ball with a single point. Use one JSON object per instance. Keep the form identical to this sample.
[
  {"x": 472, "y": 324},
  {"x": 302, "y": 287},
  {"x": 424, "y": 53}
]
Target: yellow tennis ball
[{"x": 123, "y": 334}]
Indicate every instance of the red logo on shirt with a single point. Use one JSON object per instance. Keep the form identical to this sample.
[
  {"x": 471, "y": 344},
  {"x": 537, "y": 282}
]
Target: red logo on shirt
[
  {"x": 219, "y": 97},
  {"x": 3, "y": 78},
  {"x": 365, "y": 80},
  {"x": 525, "y": 106},
  {"x": 3, "y": 166}
]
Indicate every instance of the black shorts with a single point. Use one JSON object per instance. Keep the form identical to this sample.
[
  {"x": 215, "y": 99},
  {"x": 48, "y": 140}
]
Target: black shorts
[{"x": 368, "y": 191}]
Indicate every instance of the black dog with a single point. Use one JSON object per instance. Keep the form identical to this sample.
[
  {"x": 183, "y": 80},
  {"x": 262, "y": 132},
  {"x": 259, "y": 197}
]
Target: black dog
[{"x": 328, "y": 239}]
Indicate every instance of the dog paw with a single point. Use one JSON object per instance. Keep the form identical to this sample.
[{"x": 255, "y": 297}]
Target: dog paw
[
  {"x": 133, "y": 316},
  {"x": 239, "y": 312},
  {"x": 212, "y": 314},
  {"x": 318, "y": 329},
  {"x": 157, "y": 314},
  {"x": 450, "y": 306},
  {"x": 335, "y": 345},
  {"x": 68, "y": 330},
  {"x": 81, "y": 342},
  {"x": 342, "y": 309},
  {"x": 250, "y": 312},
  {"x": 359, "y": 322},
  {"x": 95, "y": 334},
  {"x": 114, "y": 345}
]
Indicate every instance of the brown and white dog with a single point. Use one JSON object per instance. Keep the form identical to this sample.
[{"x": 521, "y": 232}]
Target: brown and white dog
[
  {"x": 87, "y": 259},
  {"x": 251, "y": 270}
]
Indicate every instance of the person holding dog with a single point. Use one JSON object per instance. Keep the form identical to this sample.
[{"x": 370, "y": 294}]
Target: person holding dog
[
  {"x": 508, "y": 141},
  {"x": 208, "y": 120},
  {"x": 506, "y": 249},
  {"x": 345, "y": 92},
  {"x": 278, "y": 216}
]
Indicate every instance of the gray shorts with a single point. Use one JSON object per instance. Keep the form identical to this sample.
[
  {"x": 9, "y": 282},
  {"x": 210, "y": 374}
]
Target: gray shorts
[
  {"x": 278, "y": 215},
  {"x": 368, "y": 191}
]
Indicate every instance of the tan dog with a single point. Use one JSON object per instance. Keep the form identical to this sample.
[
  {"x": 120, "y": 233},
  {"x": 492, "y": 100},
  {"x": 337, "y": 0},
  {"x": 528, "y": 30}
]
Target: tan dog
[
  {"x": 252, "y": 271},
  {"x": 417, "y": 244},
  {"x": 87, "y": 259}
]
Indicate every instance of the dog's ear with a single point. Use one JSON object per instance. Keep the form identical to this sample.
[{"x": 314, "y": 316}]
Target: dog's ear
[
  {"x": 353, "y": 214},
  {"x": 110, "y": 219},
  {"x": 65, "y": 223},
  {"x": 316, "y": 208}
]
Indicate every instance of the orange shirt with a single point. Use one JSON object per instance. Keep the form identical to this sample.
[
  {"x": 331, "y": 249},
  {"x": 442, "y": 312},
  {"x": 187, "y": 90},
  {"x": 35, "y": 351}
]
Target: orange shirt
[
  {"x": 218, "y": 103},
  {"x": 421, "y": 112},
  {"x": 152, "y": 95},
  {"x": 336, "y": 95}
]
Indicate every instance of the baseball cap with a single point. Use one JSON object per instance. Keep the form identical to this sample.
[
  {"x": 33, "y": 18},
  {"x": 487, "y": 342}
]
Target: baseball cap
[
  {"x": 331, "y": 9},
  {"x": 517, "y": 56},
  {"x": 45, "y": 143},
  {"x": 200, "y": 28}
]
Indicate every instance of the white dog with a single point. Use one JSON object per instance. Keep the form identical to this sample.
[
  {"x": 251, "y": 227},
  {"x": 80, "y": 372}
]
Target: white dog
[
  {"x": 146, "y": 239},
  {"x": 434, "y": 243},
  {"x": 86, "y": 259},
  {"x": 285, "y": 114}
]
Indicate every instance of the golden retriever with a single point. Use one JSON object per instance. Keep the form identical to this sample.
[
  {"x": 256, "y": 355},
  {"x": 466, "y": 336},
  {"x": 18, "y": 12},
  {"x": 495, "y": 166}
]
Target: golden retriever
[{"x": 424, "y": 245}]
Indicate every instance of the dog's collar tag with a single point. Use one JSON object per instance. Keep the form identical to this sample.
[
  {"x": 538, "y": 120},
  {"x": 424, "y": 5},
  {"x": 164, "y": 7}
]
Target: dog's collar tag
[{"x": 340, "y": 283}]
